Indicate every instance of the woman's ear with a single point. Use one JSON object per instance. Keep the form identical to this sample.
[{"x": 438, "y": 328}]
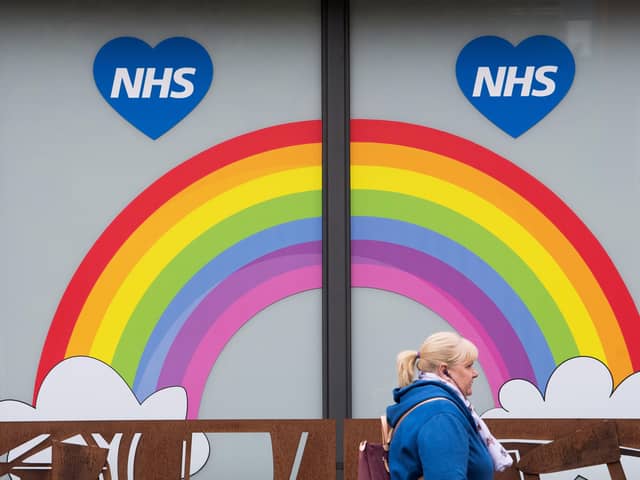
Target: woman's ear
[{"x": 443, "y": 371}]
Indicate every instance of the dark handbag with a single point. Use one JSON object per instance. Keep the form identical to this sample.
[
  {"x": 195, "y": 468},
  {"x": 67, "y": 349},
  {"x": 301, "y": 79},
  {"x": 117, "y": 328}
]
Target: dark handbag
[{"x": 373, "y": 458}]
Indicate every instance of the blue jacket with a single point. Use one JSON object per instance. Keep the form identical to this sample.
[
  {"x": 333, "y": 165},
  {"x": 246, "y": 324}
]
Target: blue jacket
[{"x": 437, "y": 440}]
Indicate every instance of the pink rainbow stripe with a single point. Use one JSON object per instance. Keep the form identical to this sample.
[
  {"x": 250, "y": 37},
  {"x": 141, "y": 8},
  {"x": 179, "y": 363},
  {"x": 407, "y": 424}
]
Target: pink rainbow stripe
[
  {"x": 227, "y": 324},
  {"x": 443, "y": 304},
  {"x": 308, "y": 278}
]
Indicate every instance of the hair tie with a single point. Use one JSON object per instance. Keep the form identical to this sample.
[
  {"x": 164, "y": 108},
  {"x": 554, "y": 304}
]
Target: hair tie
[{"x": 417, "y": 355}]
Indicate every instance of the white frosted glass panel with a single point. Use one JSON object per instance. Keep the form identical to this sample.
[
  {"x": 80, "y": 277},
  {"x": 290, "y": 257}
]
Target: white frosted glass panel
[
  {"x": 586, "y": 150},
  {"x": 69, "y": 164}
]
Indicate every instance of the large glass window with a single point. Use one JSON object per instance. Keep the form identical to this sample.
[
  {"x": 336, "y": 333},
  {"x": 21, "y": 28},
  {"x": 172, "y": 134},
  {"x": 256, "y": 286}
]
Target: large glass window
[
  {"x": 509, "y": 224},
  {"x": 170, "y": 155}
]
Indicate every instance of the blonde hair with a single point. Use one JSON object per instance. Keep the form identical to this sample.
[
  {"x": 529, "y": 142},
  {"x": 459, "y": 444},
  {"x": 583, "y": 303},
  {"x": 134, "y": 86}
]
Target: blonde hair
[{"x": 441, "y": 348}]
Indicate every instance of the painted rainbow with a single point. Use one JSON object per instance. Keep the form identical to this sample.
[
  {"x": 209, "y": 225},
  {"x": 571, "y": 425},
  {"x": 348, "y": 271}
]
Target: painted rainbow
[{"x": 435, "y": 218}]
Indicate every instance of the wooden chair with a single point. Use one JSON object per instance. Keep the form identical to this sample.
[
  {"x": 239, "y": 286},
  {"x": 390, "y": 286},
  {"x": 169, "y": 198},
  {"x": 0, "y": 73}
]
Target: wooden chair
[
  {"x": 78, "y": 462},
  {"x": 587, "y": 447}
]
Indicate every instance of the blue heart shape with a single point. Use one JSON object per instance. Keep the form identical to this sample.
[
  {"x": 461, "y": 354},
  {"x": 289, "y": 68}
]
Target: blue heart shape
[
  {"x": 515, "y": 87},
  {"x": 153, "y": 88}
]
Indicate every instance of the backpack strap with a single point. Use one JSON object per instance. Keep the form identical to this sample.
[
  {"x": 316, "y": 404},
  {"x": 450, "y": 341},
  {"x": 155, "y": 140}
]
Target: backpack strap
[{"x": 387, "y": 433}]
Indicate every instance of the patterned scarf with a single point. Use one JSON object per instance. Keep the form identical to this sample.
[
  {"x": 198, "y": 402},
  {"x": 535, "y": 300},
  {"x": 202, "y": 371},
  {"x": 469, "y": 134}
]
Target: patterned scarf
[{"x": 501, "y": 459}]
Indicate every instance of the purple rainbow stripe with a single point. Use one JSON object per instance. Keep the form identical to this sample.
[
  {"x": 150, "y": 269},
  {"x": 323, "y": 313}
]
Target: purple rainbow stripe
[
  {"x": 455, "y": 284},
  {"x": 214, "y": 305}
]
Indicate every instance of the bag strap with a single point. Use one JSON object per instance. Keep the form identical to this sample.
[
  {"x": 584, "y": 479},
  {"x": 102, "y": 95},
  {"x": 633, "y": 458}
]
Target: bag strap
[
  {"x": 385, "y": 430},
  {"x": 387, "y": 433}
]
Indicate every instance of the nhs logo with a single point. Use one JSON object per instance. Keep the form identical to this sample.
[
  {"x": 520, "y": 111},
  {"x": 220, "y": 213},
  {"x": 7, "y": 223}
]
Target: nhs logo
[
  {"x": 153, "y": 88},
  {"x": 515, "y": 87}
]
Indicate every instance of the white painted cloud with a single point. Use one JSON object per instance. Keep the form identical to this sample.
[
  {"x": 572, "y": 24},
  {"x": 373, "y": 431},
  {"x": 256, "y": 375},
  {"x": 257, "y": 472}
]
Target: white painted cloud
[
  {"x": 83, "y": 388},
  {"x": 581, "y": 387}
]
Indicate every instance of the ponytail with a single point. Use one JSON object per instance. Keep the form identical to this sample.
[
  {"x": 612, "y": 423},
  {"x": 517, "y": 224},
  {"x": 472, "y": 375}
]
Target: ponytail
[{"x": 406, "y": 365}]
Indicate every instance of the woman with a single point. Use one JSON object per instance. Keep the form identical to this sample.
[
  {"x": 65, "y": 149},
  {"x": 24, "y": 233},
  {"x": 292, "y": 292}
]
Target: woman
[{"x": 442, "y": 439}]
